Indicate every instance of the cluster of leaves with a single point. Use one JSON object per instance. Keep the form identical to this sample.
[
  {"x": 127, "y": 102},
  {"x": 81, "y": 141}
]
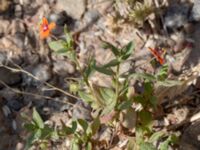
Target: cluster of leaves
[
  {"x": 105, "y": 100},
  {"x": 41, "y": 134},
  {"x": 139, "y": 10}
]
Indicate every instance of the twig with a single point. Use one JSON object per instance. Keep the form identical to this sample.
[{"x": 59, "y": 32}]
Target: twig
[
  {"x": 31, "y": 75},
  {"x": 41, "y": 96},
  {"x": 32, "y": 94}
]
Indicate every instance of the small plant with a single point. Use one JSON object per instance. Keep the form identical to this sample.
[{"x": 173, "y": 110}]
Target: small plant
[
  {"x": 40, "y": 134},
  {"x": 105, "y": 100},
  {"x": 146, "y": 137},
  {"x": 138, "y": 10}
]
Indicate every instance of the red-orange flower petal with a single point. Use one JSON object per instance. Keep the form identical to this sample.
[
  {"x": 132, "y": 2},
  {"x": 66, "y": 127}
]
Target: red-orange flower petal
[
  {"x": 45, "y": 34},
  {"x": 52, "y": 25},
  {"x": 45, "y": 28},
  {"x": 157, "y": 56}
]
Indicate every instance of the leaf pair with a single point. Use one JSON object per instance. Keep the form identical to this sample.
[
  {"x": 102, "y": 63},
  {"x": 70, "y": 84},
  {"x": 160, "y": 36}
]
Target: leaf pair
[
  {"x": 122, "y": 54},
  {"x": 160, "y": 78},
  {"x": 64, "y": 46},
  {"x": 105, "y": 98},
  {"x": 88, "y": 131},
  {"x": 39, "y": 131}
]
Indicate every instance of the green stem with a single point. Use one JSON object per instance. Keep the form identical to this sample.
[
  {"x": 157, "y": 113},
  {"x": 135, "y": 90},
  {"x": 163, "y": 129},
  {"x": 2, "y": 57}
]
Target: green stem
[
  {"x": 117, "y": 82},
  {"x": 85, "y": 79}
]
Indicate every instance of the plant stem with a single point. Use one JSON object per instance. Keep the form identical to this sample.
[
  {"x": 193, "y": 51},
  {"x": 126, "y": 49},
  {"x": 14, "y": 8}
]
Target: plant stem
[
  {"x": 117, "y": 82},
  {"x": 85, "y": 79}
]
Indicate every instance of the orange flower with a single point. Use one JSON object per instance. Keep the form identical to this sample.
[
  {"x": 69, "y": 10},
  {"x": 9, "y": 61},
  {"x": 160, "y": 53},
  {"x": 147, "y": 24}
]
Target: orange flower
[
  {"x": 157, "y": 55},
  {"x": 45, "y": 28}
]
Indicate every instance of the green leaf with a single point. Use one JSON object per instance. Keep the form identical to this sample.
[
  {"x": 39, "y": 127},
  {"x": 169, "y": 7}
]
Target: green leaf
[
  {"x": 112, "y": 63},
  {"x": 109, "y": 107},
  {"x": 68, "y": 130},
  {"x": 125, "y": 89},
  {"x": 46, "y": 132},
  {"x": 64, "y": 131},
  {"x": 90, "y": 68},
  {"x": 95, "y": 125},
  {"x": 89, "y": 146},
  {"x": 105, "y": 97},
  {"x": 29, "y": 141},
  {"x": 156, "y": 136},
  {"x": 83, "y": 124},
  {"x": 174, "y": 139},
  {"x": 162, "y": 74},
  {"x": 30, "y": 126},
  {"x": 147, "y": 146},
  {"x": 148, "y": 89},
  {"x": 145, "y": 118},
  {"x": 109, "y": 99},
  {"x": 125, "y": 105},
  {"x": 114, "y": 49},
  {"x": 107, "y": 94},
  {"x": 131, "y": 144},
  {"x": 57, "y": 45},
  {"x": 74, "y": 126},
  {"x": 127, "y": 51},
  {"x": 139, "y": 135},
  {"x": 140, "y": 99},
  {"x": 153, "y": 101},
  {"x": 37, "y": 119},
  {"x": 168, "y": 83},
  {"x": 86, "y": 97},
  {"x": 43, "y": 146},
  {"x": 71, "y": 55},
  {"x": 104, "y": 70},
  {"x": 170, "y": 140},
  {"x": 54, "y": 135},
  {"x": 61, "y": 51},
  {"x": 37, "y": 134},
  {"x": 164, "y": 145},
  {"x": 74, "y": 146},
  {"x": 68, "y": 36}
]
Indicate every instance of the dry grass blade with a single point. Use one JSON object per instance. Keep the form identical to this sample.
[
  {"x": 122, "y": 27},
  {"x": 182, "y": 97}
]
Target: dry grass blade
[
  {"x": 32, "y": 94},
  {"x": 19, "y": 69}
]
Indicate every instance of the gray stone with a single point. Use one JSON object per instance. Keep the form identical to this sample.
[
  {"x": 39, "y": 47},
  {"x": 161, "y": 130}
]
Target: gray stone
[
  {"x": 62, "y": 67},
  {"x": 195, "y": 12},
  {"x": 15, "y": 104},
  {"x": 58, "y": 104},
  {"x": 61, "y": 19},
  {"x": 2, "y": 58},
  {"x": 9, "y": 77},
  {"x": 91, "y": 16},
  {"x": 8, "y": 94},
  {"x": 18, "y": 11},
  {"x": 74, "y": 8},
  {"x": 19, "y": 38},
  {"x": 82, "y": 111},
  {"x": 41, "y": 72},
  {"x": 176, "y": 16},
  {"x": 30, "y": 58},
  {"x": 190, "y": 137}
]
